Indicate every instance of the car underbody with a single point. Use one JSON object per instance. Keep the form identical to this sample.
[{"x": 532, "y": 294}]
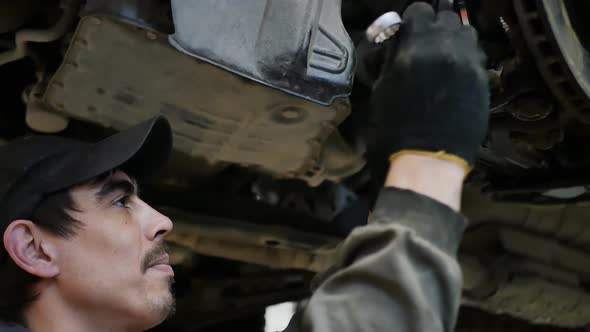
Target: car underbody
[{"x": 268, "y": 102}]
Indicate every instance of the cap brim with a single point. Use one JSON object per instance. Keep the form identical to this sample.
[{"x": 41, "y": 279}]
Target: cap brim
[{"x": 140, "y": 151}]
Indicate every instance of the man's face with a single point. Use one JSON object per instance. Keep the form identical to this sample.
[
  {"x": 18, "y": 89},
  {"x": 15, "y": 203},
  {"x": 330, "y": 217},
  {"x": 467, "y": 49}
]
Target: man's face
[{"x": 116, "y": 266}]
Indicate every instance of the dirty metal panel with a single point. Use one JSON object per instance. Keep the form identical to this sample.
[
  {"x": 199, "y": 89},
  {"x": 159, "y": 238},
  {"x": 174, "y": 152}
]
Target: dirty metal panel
[
  {"x": 539, "y": 301},
  {"x": 117, "y": 75}
]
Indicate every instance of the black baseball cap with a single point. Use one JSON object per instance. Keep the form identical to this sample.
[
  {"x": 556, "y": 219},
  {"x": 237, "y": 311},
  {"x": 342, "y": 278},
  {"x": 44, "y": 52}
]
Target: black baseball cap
[{"x": 36, "y": 166}]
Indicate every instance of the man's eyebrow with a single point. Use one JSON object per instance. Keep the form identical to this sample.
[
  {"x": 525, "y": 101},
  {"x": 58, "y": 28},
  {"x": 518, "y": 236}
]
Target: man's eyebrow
[{"x": 111, "y": 186}]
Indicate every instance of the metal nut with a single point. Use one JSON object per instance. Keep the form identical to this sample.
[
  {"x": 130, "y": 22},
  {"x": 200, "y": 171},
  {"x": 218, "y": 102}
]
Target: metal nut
[{"x": 384, "y": 27}]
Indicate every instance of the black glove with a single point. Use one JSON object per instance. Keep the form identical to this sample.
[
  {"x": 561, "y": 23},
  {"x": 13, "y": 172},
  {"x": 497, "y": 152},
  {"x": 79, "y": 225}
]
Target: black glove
[{"x": 432, "y": 96}]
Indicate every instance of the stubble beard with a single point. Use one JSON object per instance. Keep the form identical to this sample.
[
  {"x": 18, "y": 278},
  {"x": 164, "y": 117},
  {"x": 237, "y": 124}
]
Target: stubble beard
[
  {"x": 170, "y": 308},
  {"x": 164, "y": 306},
  {"x": 167, "y": 307}
]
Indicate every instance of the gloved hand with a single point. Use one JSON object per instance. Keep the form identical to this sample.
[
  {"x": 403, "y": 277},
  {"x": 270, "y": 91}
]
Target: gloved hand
[{"x": 432, "y": 96}]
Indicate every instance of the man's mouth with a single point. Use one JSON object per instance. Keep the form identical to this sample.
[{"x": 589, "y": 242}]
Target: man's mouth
[{"x": 162, "y": 264}]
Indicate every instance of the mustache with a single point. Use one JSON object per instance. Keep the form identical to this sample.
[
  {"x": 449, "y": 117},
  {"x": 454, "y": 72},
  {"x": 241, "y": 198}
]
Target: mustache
[{"x": 155, "y": 253}]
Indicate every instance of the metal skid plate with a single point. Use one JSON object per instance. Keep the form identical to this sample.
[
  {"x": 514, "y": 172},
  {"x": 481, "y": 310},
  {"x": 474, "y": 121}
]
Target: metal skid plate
[{"x": 116, "y": 75}]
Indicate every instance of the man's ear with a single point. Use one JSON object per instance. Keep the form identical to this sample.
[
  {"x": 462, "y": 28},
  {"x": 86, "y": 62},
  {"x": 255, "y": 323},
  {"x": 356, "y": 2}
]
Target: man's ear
[{"x": 26, "y": 245}]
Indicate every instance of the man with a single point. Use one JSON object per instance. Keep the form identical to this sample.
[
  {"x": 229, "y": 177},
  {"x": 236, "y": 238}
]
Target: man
[{"x": 83, "y": 252}]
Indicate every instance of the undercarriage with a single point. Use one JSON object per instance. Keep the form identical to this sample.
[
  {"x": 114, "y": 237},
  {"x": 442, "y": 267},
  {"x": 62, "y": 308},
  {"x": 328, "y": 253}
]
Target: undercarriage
[{"x": 268, "y": 101}]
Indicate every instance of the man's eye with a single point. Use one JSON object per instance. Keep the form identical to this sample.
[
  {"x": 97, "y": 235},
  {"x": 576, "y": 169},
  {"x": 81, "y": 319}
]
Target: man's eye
[{"x": 122, "y": 202}]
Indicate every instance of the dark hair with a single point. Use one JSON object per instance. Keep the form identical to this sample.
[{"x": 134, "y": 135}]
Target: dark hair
[{"x": 52, "y": 215}]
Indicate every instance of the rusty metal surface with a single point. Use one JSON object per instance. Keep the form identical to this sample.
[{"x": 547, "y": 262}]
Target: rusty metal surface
[
  {"x": 539, "y": 301},
  {"x": 271, "y": 246},
  {"x": 528, "y": 261},
  {"x": 117, "y": 75}
]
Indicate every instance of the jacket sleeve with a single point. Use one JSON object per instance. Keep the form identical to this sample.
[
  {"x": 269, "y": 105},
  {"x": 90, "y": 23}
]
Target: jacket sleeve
[{"x": 398, "y": 273}]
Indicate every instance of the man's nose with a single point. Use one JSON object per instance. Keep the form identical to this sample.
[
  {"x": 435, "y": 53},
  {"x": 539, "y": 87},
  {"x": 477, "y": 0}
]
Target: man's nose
[
  {"x": 164, "y": 227},
  {"x": 159, "y": 225}
]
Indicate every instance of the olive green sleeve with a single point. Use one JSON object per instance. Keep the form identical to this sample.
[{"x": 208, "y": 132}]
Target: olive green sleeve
[{"x": 399, "y": 273}]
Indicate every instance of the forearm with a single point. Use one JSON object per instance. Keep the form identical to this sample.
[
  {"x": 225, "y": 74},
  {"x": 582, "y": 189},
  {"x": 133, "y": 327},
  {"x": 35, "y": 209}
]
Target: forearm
[
  {"x": 401, "y": 271},
  {"x": 438, "y": 179}
]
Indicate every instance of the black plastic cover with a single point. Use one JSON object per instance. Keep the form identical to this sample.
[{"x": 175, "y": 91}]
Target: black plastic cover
[{"x": 300, "y": 47}]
